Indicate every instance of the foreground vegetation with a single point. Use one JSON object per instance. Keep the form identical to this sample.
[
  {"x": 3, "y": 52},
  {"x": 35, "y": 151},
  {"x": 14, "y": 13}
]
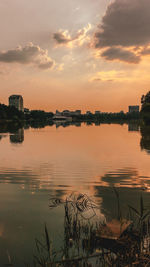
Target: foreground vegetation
[{"x": 91, "y": 243}]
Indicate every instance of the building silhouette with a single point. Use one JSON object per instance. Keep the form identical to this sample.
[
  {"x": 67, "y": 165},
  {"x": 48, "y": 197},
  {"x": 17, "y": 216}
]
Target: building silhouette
[
  {"x": 16, "y": 101},
  {"x": 133, "y": 109}
]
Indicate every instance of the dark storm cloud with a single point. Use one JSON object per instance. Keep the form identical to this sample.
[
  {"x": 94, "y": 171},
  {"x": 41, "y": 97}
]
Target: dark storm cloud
[
  {"x": 29, "y": 54},
  {"x": 125, "y": 23},
  {"x": 115, "y": 53}
]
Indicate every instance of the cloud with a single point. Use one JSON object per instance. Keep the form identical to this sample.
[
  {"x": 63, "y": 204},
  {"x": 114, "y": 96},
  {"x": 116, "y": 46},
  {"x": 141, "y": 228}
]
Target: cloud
[
  {"x": 60, "y": 67},
  {"x": 96, "y": 80},
  {"x": 108, "y": 76},
  {"x": 64, "y": 37},
  {"x": 116, "y": 53},
  {"x": 125, "y": 24},
  {"x": 30, "y": 54},
  {"x": 145, "y": 51}
]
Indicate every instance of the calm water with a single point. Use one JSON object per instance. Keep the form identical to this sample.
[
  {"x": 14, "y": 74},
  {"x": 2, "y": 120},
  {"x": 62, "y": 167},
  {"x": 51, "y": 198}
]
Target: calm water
[{"x": 36, "y": 164}]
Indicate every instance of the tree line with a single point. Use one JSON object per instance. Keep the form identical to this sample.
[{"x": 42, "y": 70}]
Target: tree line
[{"x": 10, "y": 113}]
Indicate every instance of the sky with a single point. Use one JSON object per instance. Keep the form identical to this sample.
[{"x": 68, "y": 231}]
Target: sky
[{"x": 75, "y": 54}]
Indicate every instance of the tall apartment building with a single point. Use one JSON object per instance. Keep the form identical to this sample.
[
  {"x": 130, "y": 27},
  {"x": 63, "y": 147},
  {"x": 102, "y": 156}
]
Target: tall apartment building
[{"x": 16, "y": 101}]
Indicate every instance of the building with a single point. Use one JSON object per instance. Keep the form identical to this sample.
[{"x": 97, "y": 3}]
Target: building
[
  {"x": 133, "y": 109},
  {"x": 68, "y": 113},
  {"x": 16, "y": 101}
]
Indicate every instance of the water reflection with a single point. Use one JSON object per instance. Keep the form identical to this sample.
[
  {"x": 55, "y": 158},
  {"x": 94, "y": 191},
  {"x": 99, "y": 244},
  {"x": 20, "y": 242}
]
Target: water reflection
[
  {"x": 61, "y": 158},
  {"x": 2, "y": 136},
  {"x": 13, "y": 127},
  {"x": 31, "y": 181},
  {"x": 17, "y": 130},
  {"x": 127, "y": 196},
  {"x": 17, "y": 137},
  {"x": 145, "y": 138},
  {"x": 129, "y": 184},
  {"x": 133, "y": 127},
  {"x": 66, "y": 124},
  {"x": 10, "y": 127},
  {"x": 127, "y": 177}
]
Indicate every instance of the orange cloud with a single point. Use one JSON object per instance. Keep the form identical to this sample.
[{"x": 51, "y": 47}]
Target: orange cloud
[{"x": 63, "y": 37}]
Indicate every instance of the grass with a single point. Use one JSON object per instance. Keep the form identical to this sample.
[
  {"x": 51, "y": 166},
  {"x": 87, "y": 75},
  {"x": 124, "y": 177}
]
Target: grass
[{"x": 90, "y": 243}]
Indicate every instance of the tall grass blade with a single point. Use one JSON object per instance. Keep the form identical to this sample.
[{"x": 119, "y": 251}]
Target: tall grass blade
[
  {"x": 47, "y": 238},
  {"x": 141, "y": 206},
  {"x": 135, "y": 210},
  {"x": 145, "y": 215}
]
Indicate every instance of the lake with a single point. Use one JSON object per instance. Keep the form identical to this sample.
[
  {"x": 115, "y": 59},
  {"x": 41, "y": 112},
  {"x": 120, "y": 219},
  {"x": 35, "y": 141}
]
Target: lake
[{"x": 39, "y": 163}]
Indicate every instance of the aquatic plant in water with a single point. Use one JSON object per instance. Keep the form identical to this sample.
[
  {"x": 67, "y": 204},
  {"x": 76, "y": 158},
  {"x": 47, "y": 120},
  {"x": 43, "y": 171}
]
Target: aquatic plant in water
[{"x": 120, "y": 242}]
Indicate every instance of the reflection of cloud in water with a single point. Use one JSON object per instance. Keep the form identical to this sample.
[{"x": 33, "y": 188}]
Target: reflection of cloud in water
[
  {"x": 127, "y": 196},
  {"x": 129, "y": 186},
  {"x": 127, "y": 177},
  {"x": 28, "y": 180}
]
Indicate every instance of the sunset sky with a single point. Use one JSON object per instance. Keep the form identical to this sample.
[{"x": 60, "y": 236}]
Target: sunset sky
[{"x": 75, "y": 54}]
